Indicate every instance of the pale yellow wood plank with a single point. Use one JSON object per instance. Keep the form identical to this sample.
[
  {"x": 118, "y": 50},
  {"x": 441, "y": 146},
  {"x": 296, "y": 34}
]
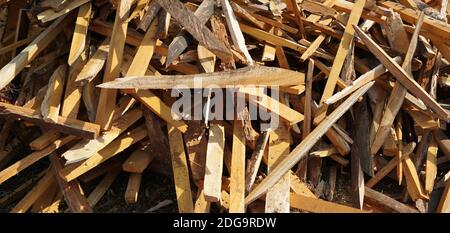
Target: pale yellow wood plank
[
  {"x": 107, "y": 100},
  {"x": 214, "y": 163},
  {"x": 180, "y": 171},
  {"x": 237, "y": 176}
]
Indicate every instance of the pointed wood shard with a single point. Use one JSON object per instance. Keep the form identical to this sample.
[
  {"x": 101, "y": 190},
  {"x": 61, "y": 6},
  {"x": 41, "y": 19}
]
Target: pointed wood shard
[{"x": 257, "y": 75}]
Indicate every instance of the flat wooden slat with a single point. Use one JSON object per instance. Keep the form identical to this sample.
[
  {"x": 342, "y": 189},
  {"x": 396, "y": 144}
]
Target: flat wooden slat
[
  {"x": 180, "y": 171},
  {"x": 214, "y": 163},
  {"x": 107, "y": 99},
  {"x": 28, "y": 54},
  {"x": 80, "y": 32},
  {"x": 67, "y": 125}
]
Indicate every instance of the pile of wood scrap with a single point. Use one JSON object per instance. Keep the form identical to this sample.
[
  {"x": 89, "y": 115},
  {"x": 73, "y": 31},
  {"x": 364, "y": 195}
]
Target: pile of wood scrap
[{"x": 87, "y": 94}]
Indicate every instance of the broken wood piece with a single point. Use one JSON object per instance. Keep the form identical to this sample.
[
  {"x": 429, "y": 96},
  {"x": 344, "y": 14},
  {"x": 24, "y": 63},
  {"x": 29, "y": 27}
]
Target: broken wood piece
[
  {"x": 277, "y": 197},
  {"x": 431, "y": 166},
  {"x": 315, "y": 205},
  {"x": 214, "y": 163},
  {"x": 254, "y": 162},
  {"x": 44, "y": 183},
  {"x": 257, "y": 75},
  {"x": 342, "y": 52},
  {"x": 305, "y": 145},
  {"x": 138, "y": 160},
  {"x": 398, "y": 94},
  {"x": 235, "y": 31},
  {"x": 101, "y": 188},
  {"x": 94, "y": 65},
  {"x": 87, "y": 148},
  {"x": 44, "y": 140},
  {"x": 179, "y": 42},
  {"x": 28, "y": 54},
  {"x": 51, "y": 104},
  {"x": 121, "y": 143},
  {"x": 80, "y": 32},
  {"x": 180, "y": 171},
  {"x": 22, "y": 164},
  {"x": 402, "y": 76},
  {"x": 390, "y": 166},
  {"x": 72, "y": 191},
  {"x": 132, "y": 191},
  {"x": 50, "y": 14},
  {"x": 67, "y": 125},
  {"x": 237, "y": 174},
  {"x": 107, "y": 99},
  {"x": 195, "y": 27},
  {"x": 276, "y": 40},
  {"x": 363, "y": 79},
  {"x": 385, "y": 202}
]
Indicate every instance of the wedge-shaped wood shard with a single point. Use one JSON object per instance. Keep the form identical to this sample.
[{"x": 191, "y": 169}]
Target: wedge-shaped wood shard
[
  {"x": 51, "y": 104},
  {"x": 80, "y": 32},
  {"x": 94, "y": 65},
  {"x": 258, "y": 75}
]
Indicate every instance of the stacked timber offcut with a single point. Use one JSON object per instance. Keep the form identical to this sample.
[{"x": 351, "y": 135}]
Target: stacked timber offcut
[{"x": 224, "y": 106}]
